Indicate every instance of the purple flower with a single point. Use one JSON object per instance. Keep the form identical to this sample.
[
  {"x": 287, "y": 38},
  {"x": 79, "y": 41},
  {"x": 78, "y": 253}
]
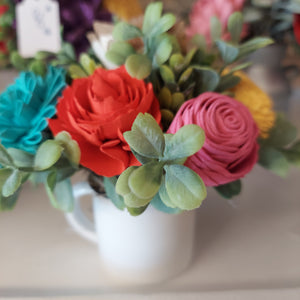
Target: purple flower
[{"x": 77, "y": 19}]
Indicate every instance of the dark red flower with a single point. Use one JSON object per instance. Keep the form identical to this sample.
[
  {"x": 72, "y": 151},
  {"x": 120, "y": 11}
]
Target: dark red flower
[{"x": 296, "y": 26}]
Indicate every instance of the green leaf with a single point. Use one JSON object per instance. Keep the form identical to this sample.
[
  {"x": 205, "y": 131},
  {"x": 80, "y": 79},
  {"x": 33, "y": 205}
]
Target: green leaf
[
  {"x": 5, "y": 158},
  {"x": 209, "y": 79},
  {"x": 185, "y": 188},
  {"x": 272, "y": 159},
  {"x": 200, "y": 41},
  {"x": 235, "y": 26},
  {"x": 227, "y": 82},
  {"x": 131, "y": 200},
  {"x": 229, "y": 190},
  {"x": 70, "y": 147},
  {"x": 47, "y": 155},
  {"x": 51, "y": 180},
  {"x": 38, "y": 67},
  {"x": 165, "y": 23},
  {"x": 167, "y": 74},
  {"x": 8, "y": 203},
  {"x": 12, "y": 183},
  {"x": 164, "y": 196},
  {"x": 118, "y": 52},
  {"x": 229, "y": 53},
  {"x": 122, "y": 186},
  {"x": 136, "y": 211},
  {"x": 76, "y": 71},
  {"x": 124, "y": 32},
  {"x": 157, "y": 203},
  {"x": 68, "y": 50},
  {"x": 62, "y": 196},
  {"x": 282, "y": 134},
  {"x": 138, "y": 66},
  {"x": 176, "y": 61},
  {"x": 185, "y": 142},
  {"x": 253, "y": 45},
  {"x": 152, "y": 16},
  {"x": 215, "y": 28},
  {"x": 162, "y": 52},
  {"x": 87, "y": 63},
  {"x": 21, "y": 158},
  {"x": 146, "y": 137},
  {"x": 293, "y": 154},
  {"x": 110, "y": 189},
  {"x": 143, "y": 159},
  {"x": 144, "y": 182}
]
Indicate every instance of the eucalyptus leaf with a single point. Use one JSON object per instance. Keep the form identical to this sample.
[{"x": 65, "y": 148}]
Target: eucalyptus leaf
[
  {"x": 131, "y": 200},
  {"x": 145, "y": 181},
  {"x": 152, "y": 16},
  {"x": 273, "y": 160},
  {"x": 124, "y": 32},
  {"x": 47, "y": 155},
  {"x": 227, "y": 82},
  {"x": 110, "y": 189},
  {"x": 185, "y": 188},
  {"x": 229, "y": 53},
  {"x": 165, "y": 23},
  {"x": 162, "y": 52},
  {"x": 62, "y": 196},
  {"x": 145, "y": 137},
  {"x": 293, "y": 154},
  {"x": 229, "y": 190},
  {"x": 164, "y": 196},
  {"x": 158, "y": 204},
  {"x": 138, "y": 66},
  {"x": 87, "y": 63},
  {"x": 209, "y": 79},
  {"x": 51, "y": 180},
  {"x": 118, "y": 52},
  {"x": 185, "y": 142},
  {"x": 70, "y": 146},
  {"x": 253, "y": 45},
  {"x": 76, "y": 71},
  {"x": 136, "y": 211},
  {"x": 8, "y": 203},
  {"x": 5, "y": 158},
  {"x": 235, "y": 26},
  {"x": 167, "y": 74},
  {"x": 12, "y": 183},
  {"x": 282, "y": 134},
  {"x": 215, "y": 28},
  {"x": 122, "y": 186}
]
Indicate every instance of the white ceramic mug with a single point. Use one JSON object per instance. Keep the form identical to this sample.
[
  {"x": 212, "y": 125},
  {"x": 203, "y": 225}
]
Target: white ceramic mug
[{"x": 148, "y": 248}]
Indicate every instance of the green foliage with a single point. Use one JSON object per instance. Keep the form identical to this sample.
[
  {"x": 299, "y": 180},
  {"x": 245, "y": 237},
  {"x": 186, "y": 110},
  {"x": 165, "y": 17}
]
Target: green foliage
[
  {"x": 280, "y": 149},
  {"x": 229, "y": 190},
  {"x": 159, "y": 176},
  {"x": 158, "y": 45},
  {"x": 54, "y": 162}
]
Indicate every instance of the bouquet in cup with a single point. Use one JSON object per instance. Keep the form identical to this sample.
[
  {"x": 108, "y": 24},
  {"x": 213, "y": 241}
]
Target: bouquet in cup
[{"x": 153, "y": 117}]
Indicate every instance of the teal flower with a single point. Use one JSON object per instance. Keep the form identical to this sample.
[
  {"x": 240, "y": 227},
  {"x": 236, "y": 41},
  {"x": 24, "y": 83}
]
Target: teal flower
[{"x": 25, "y": 107}]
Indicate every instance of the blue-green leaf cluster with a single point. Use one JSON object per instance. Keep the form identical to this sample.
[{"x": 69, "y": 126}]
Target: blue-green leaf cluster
[
  {"x": 162, "y": 178},
  {"x": 53, "y": 163}
]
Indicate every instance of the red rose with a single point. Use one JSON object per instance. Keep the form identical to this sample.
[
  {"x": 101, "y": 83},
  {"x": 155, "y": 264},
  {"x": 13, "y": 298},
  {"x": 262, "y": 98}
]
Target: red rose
[
  {"x": 3, "y": 9},
  {"x": 97, "y": 110},
  {"x": 296, "y": 26},
  {"x": 230, "y": 149}
]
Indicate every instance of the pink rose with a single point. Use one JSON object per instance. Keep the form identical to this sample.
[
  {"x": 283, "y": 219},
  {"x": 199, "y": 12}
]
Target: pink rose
[
  {"x": 204, "y": 10},
  {"x": 230, "y": 149}
]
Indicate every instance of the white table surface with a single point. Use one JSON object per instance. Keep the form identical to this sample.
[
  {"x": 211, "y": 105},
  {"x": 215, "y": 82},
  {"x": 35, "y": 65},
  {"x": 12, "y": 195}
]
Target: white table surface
[{"x": 245, "y": 249}]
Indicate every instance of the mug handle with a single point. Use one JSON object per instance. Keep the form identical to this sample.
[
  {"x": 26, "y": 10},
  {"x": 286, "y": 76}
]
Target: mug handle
[{"x": 77, "y": 219}]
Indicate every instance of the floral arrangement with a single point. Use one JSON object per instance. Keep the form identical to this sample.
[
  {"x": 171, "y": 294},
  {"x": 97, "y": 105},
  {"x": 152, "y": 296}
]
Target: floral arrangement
[{"x": 156, "y": 127}]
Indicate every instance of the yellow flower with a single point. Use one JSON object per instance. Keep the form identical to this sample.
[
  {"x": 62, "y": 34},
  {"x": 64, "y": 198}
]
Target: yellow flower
[
  {"x": 257, "y": 101},
  {"x": 124, "y": 9}
]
